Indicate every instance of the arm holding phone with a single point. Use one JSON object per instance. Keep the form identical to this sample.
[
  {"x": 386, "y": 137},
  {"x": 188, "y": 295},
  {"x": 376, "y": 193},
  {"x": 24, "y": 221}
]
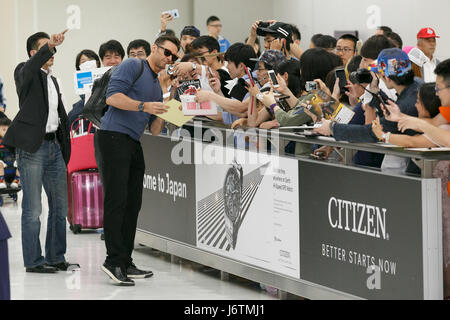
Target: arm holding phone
[{"x": 165, "y": 19}]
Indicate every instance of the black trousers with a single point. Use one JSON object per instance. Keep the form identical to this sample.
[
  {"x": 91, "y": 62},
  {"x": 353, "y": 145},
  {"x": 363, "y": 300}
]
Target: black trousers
[{"x": 122, "y": 171}]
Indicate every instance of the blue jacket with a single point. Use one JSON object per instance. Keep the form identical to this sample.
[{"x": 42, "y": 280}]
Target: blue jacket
[{"x": 4, "y": 232}]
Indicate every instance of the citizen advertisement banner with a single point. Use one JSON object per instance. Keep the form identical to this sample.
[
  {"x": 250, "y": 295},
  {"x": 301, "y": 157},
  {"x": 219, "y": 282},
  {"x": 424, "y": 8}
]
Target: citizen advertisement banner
[
  {"x": 247, "y": 207},
  {"x": 168, "y": 199},
  {"x": 363, "y": 238}
]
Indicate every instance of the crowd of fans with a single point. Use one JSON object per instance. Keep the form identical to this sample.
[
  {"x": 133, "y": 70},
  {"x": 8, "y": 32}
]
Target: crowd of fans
[{"x": 405, "y": 100}]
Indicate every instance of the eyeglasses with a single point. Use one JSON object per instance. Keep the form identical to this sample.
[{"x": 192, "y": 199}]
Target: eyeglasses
[
  {"x": 169, "y": 53},
  {"x": 216, "y": 25},
  {"x": 137, "y": 55},
  {"x": 440, "y": 89},
  {"x": 346, "y": 50}
]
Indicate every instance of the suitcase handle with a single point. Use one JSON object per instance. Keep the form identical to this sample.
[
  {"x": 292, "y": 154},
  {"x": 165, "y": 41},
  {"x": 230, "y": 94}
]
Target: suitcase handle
[{"x": 79, "y": 119}]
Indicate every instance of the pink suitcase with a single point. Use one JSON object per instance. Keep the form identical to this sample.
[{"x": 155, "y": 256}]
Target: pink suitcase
[{"x": 86, "y": 201}]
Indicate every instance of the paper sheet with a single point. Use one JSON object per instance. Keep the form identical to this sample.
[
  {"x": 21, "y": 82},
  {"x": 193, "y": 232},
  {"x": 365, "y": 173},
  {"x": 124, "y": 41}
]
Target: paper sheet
[{"x": 174, "y": 114}]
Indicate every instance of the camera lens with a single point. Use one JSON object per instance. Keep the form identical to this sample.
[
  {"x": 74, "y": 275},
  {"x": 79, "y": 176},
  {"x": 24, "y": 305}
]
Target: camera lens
[{"x": 354, "y": 77}]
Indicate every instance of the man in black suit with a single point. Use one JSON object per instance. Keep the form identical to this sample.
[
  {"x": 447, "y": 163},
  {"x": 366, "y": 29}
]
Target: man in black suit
[{"x": 40, "y": 135}]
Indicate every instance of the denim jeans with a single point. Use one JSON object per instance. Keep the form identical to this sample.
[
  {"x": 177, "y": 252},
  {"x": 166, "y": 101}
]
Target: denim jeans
[{"x": 44, "y": 168}]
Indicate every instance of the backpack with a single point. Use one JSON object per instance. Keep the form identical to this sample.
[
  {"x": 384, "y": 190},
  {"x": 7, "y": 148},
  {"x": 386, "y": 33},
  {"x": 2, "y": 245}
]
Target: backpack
[{"x": 96, "y": 106}]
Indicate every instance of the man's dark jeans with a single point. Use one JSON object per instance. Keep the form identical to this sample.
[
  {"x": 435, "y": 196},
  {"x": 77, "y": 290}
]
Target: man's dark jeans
[{"x": 122, "y": 172}]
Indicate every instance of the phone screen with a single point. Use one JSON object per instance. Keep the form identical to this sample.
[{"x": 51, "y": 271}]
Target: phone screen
[
  {"x": 273, "y": 78},
  {"x": 340, "y": 74}
]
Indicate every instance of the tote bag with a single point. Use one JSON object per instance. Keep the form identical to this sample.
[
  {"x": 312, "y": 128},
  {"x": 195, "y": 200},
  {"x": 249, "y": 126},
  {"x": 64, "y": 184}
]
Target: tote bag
[{"x": 83, "y": 155}]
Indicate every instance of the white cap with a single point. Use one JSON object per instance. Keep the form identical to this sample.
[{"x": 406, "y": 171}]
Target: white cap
[{"x": 418, "y": 57}]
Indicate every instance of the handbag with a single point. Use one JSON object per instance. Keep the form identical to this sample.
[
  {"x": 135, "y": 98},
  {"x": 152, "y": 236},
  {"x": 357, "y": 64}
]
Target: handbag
[{"x": 82, "y": 156}]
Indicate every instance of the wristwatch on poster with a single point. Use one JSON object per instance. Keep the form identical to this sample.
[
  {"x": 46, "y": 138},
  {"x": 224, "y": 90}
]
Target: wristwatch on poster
[
  {"x": 141, "y": 107},
  {"x": 232, "y": 191}
]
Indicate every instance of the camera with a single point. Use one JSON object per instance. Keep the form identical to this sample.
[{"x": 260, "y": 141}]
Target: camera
[
  {"x": 310, "y": 86},
  {"x": 260, "y": 31},
  {"x": 360, "y": 76},
  {"x": 170, "y": 69}
]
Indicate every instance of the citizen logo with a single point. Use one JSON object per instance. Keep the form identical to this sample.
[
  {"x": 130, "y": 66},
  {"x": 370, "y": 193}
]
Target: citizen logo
[{"x": 358, "y": 218}]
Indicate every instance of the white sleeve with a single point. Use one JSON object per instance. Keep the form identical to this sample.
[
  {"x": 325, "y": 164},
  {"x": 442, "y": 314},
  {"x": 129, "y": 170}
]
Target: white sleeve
[{"x": 63, "y": 98}]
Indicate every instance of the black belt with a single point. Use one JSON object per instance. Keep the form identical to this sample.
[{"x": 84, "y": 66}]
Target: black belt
[{"x": 50, "y": 136}]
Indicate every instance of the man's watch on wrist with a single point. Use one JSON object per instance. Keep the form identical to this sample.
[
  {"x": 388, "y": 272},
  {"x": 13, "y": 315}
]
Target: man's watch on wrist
[
  {"x": 259, "y": 96},
  {"x": 194, "y": 66},
  {"x": 141, "y": 107}
]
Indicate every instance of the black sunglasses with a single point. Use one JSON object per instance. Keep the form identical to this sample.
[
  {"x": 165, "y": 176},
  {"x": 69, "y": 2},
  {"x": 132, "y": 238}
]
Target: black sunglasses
[{"x": 168, "y": 53}]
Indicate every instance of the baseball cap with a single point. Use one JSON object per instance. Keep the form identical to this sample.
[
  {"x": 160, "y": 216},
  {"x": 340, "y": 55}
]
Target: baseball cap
[
  {"x": 190, "y": 31},
  {"x": 425, "y": 33},
  {"x": 279, "y": 29},
  {"x": 393, "y": 62},
  {"x": 271, "y": 57}
]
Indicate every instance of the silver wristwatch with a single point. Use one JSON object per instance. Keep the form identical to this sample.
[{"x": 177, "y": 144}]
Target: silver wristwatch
[
  {"x": 259, "y": 96},
  {"x": 141, "y": 107}
]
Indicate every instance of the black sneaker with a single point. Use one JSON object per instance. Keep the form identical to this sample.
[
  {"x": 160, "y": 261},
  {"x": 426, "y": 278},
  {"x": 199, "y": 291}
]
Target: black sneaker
[
  {"x": 42, "y": 269},
  {"x": 135, "y": 273},
  {"x": 116, "y": 274},
  {"x": 64, "y": 266}
]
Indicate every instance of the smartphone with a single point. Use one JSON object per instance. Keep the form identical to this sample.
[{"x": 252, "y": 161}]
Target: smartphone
[
  {"x": 340, "y": 74},
  {"x": 174, "y": 13},
  {"x": 273, "y": 78}
]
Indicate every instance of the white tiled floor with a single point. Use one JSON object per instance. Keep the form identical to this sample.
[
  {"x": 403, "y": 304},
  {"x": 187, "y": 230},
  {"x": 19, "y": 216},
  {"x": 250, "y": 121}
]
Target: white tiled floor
[{"x": 171, "y": 281}]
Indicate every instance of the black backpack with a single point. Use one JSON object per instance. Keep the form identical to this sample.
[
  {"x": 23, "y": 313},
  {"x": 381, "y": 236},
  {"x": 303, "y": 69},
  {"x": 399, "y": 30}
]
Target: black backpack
[{"x": 96, "y": 106}]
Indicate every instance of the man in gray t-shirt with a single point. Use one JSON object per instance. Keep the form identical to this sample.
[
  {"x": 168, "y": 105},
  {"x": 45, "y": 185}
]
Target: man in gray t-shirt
[{"x": 131, "y": 105}]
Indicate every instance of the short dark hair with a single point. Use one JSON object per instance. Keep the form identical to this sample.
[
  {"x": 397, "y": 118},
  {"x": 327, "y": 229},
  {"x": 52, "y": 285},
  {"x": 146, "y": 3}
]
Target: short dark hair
[
  {"x": 443, "y": 70},
  {"x": 88, "y": 53},
  {"x": 212, "y": 19},
  {"x": 189, "y": 56},
  {"x": 292, "y": 67},
  {"x": 241, "y": 53},
  {"x": 316, "y": 63},
  {"x": 384, "y": 28},
  {"x": 354, "y": 63},
  {"x": 428, "y": 97},
  {"x": 316, "y": 37},
  {"x": 350, "y": 37},
  {"x": 135, "y": 44},
  {"x": 326, "y": 42},
  {"x": 5, "y": 121},
  {"x": 404, "y": 80},
  {"x": 32, "y": 41},
  {"x": 374, "y": 45},
  {"x": 206, "y": 41},
  {"x": 113, "y": 46},
  {"x": 296, "y": 32},
  {"x": 165, "y": 38},
  {"x": 395, "y": 38}
]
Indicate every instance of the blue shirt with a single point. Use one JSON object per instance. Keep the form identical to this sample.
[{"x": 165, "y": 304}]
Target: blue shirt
[
  {"x": 146, "y": 89},
  {"x": 224, "y": 44}
]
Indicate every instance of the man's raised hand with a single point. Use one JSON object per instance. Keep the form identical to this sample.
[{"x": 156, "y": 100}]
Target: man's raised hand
[{"x": 57, "y": 39}]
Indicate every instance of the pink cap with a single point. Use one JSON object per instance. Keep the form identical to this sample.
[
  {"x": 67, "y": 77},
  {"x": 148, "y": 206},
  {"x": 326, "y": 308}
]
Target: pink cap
[{"x": 407, "y": 49}]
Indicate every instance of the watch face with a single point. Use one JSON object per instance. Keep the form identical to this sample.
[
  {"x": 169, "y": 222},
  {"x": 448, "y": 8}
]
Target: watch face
[{"x": 232, "y": 201}]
